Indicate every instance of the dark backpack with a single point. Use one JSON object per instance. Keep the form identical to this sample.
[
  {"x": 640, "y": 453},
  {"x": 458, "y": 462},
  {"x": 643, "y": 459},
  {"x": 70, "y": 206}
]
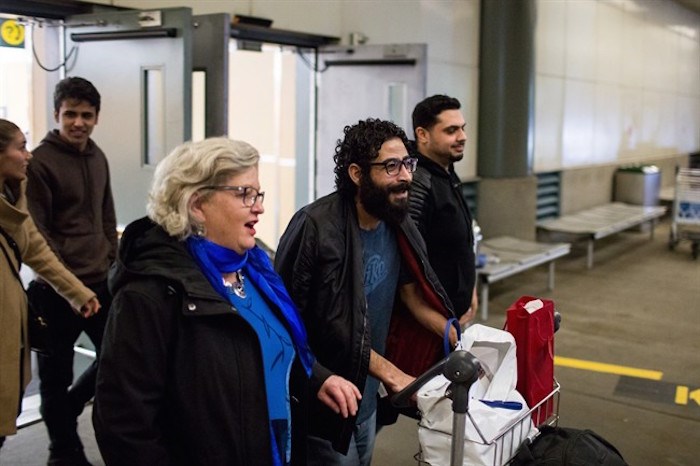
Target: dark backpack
[{"x": 568, "y": 447}]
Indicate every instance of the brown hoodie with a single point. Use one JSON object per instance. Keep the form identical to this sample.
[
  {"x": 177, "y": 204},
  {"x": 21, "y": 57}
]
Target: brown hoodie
[{"x": 70, "y": 199}]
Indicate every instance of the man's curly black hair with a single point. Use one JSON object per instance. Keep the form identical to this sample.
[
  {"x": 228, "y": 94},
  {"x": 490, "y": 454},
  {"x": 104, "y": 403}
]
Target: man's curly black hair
[{"x": 361, "y": 145}]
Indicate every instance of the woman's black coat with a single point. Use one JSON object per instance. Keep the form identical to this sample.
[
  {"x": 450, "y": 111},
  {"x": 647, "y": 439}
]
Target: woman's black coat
[{"x": 180, "y": 380}]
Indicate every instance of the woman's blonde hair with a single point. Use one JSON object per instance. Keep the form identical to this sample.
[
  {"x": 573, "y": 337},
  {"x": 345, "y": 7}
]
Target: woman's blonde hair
[{"x": 186, "y": 170}]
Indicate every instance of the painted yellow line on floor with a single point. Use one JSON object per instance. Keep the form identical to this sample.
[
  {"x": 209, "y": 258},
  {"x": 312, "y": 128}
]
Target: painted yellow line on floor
[
  {"x": 681, "y": 395},
  {"x": 607, "y": 368}
]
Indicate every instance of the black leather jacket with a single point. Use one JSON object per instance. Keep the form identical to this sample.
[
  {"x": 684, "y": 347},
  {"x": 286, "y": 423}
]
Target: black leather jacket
[
  {"x": 320, "y": 260},
  {"x": 443, "y": 218}
]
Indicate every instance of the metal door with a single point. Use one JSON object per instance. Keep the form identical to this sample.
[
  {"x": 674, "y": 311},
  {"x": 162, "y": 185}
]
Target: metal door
[
  {"x": 363, "y": 81},
  {"x": 141, "y": 63}
]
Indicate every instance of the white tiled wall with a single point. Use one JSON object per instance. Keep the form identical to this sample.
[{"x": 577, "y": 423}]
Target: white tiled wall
[
  {"x": 616, "y": 80},
  {"x": 607, "y": 126},
  {"x": 628, "y": 73},
  {"x": 550, "y": 90}
]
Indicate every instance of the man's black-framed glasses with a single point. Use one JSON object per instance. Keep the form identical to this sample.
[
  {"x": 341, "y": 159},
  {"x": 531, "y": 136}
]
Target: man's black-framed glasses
[
  {"x": 249, "y": 194},
  {"x": 393, "y": 166}
]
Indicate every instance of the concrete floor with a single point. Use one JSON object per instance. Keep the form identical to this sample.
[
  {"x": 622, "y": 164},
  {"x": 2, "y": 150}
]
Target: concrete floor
[{"x": 638, "y": 307}]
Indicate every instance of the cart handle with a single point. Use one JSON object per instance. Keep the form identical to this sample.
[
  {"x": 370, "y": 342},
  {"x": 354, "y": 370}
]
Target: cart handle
[{"x": 460, "y": 367}]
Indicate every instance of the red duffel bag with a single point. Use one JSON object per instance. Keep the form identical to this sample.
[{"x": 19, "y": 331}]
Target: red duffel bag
[{"x": 531, "y": 322}]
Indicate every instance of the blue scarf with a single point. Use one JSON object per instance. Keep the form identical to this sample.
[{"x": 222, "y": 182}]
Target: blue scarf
[{"x": 215, "y": 260}]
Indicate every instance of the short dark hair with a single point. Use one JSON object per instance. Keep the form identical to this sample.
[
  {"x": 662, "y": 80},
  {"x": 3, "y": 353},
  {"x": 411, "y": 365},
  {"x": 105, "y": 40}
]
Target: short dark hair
[
  {"x": 78, "y": 89},
  {"x": 426, "y": 112},
  {"x": 361, "y": 145}
]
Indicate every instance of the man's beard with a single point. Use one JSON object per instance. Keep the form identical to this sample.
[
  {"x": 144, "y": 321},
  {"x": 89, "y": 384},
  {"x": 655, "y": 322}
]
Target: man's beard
[
  {"x": 443, "y": 153},
  {"x": 449, "y": 155},
  {"x": 456, "y": 157},
  {"x": 376, "y": 200}
]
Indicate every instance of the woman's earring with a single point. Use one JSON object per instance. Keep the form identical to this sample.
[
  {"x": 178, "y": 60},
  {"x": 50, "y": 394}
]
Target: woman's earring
[{"x": 199, "y": 230}]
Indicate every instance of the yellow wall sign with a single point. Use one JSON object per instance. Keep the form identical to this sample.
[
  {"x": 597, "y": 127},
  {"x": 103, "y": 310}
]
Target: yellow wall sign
[{"x": 11, "y": 33}]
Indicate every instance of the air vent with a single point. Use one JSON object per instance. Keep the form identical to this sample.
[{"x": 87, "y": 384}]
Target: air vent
[{"x": 548, "y": 189}]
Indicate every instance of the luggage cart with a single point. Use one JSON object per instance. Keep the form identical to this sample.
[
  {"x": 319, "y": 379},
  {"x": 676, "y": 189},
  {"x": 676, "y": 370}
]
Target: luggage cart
[
  {"x": 686, "y": 210},
  {"x": 462, "y": 369}
]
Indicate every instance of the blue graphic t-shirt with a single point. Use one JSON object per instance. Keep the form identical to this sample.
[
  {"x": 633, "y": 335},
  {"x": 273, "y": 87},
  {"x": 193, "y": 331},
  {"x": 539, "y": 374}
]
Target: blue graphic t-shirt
[{"x": 382, "y": 263}]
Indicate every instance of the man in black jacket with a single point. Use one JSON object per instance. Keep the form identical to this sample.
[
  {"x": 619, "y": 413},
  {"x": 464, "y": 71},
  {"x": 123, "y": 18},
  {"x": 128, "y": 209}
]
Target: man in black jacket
[
  {"x": 344, "y": 259},
  {"x": 436, "y": 203}
]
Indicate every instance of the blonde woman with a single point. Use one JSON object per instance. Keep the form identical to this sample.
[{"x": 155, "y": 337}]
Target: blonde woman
[{"x": 205, "y": 359}]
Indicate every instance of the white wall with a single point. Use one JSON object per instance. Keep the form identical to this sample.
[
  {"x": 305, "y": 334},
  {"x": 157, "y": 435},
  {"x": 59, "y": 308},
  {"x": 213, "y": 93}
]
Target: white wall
[{"x": 617, "y": 81}]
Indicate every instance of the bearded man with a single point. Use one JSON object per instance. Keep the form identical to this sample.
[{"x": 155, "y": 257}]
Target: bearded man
[{"x": 349, "y": 259}]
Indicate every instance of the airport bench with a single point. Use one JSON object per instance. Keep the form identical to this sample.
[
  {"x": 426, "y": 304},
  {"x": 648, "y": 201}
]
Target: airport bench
[
  {"x": 601, "y": 221},
  {"x": 514, "y": 256}
]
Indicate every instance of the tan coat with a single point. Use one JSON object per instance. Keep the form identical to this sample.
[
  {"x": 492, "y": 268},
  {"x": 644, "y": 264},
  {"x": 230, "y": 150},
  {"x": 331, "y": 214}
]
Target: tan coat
[{"x": 15, "y": 220}]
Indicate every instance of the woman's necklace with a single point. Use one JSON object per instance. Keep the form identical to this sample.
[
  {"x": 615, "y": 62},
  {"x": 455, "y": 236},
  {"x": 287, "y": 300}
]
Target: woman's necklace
[{"x": 237, "y": 287}]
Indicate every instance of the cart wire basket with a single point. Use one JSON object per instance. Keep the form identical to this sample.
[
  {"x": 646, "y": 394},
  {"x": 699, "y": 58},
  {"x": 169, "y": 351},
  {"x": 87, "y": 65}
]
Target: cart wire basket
[
  {"x": 507, "y": 443},
  {"x": 686, "y": 210}
]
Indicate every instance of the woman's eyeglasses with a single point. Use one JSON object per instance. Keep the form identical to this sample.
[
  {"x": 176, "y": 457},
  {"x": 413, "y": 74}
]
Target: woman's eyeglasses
[
  {"x": 393, "y": 166},
  {"x": 249, "y": 194}
]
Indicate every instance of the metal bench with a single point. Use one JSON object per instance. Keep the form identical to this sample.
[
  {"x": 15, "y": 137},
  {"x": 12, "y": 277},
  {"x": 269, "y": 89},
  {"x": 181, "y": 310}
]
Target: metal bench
[
  {"x": 514, "y": 256},
  {"x": 601, "y": 221}
]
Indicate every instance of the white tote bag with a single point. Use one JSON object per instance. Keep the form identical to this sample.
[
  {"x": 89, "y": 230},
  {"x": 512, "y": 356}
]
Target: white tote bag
[{"x": 494, "y": 405}]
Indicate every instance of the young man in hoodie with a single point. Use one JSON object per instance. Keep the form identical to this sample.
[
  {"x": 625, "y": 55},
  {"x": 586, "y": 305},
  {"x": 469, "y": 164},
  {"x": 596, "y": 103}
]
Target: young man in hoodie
[{"x": 70, "y": 199}]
